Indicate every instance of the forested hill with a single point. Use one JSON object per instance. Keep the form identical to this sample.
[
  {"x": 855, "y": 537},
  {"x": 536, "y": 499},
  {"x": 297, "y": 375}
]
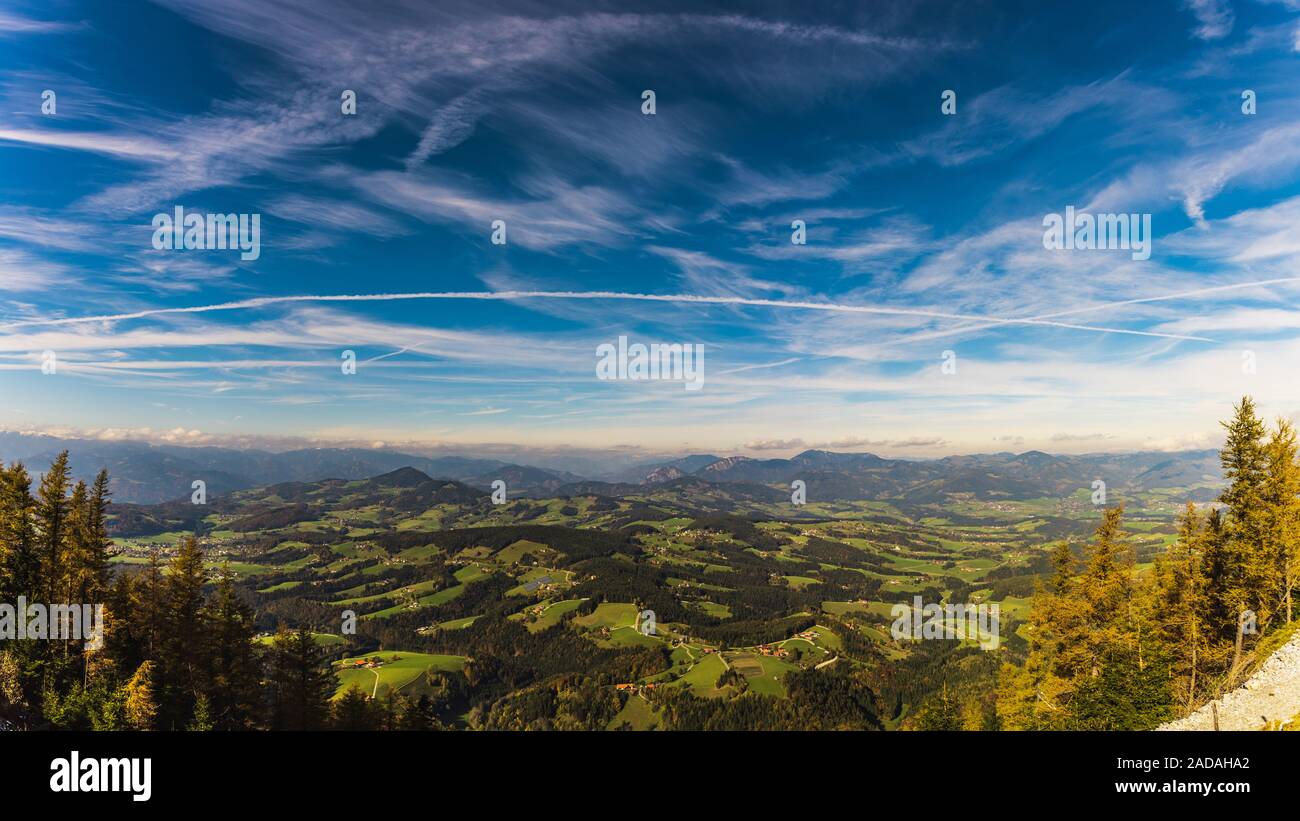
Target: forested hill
[{"x": 406, "y": 600}]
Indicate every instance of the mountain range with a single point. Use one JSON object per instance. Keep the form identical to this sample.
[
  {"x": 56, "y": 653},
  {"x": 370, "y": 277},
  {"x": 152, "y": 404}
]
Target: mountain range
[{"x": 143, "y": 473}]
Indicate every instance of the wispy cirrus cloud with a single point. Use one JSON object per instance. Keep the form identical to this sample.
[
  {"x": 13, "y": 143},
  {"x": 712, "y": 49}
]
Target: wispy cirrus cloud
[
  {"x": 13, "y": 24},
  {"x": 130, "y": 146},
  {"x": 924, "y": 231},
  {"x": 21, "y": 271},
  {"x": 1214, "y": 18}
]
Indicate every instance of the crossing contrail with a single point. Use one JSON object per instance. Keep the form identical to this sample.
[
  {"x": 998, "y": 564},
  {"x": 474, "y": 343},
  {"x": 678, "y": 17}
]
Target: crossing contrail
[
  {"x": 258, "y": 302},
  {"x": 1213, "y": 289}
]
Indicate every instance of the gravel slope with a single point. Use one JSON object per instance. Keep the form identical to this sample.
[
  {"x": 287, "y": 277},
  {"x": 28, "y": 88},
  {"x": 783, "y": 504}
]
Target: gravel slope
[{"x": 1272, "y": 694}]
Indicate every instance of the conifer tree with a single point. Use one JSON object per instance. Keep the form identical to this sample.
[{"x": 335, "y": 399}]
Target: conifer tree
[
  {"x": 1180, "y": 594},
  {"x": 19, "y": 556},
  {"x": 301, "y": 683},
  {"x": 355, "y": 711},
  {"x": 52, "y": 524},
  {"x": 940, "y": 713},
  {"x": 202, "y": 720},
  {"x": 234, "y": 671},
  {"x": 91, "y": 545},
  {"x": 1281, "y": 497},
  {"x": 1245, "y": 468},
  {"x": 76, "y": 537},
  {"x": 182, "y": 659},
  {"x": 143, "y": 599},
  {"x": 1063, "y": 567},
  {"x": 141, "y": 698}
]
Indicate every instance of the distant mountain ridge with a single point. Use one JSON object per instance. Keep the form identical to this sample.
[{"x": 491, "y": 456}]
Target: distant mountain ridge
[
  {"x": 143, "y": 473},
  {"x": 830, "y": 475}
]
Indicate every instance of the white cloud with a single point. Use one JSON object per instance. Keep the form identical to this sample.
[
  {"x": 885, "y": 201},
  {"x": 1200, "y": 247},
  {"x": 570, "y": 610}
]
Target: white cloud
[
  {"x": 120, "y": 145},
  {"x": 1214, "y": 18}
]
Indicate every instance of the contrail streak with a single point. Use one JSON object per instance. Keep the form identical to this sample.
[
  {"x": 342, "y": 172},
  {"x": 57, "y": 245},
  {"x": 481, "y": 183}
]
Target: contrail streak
[
  {"x": 1214, "y": 289},
  {"x": 259, "y": 302}
]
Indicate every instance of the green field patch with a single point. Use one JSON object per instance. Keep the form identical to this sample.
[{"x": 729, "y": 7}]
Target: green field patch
[
  {"x": 610, "y": 615},
  {"x": 471, "y": 573},
  {"x": 545, "y": 615},
  {"x": 703, "y": 677},
  {"x": 769, "y": 683},
  {"x": 637, "y": 713},
  {"x": 423, "y": 553},
  {"x": 457, "y": 624},
  {"x": 395, "y": 670},
  {"x": 628, "y": 637},
  {"x": 323, "y": 639},
  {"x": 281, "y": 586},
  {"x": 417, "y": 589},
  {"x": 875, "y": 633},
  {"x": 1015, "y": 607},
  {"x": 243, "y": 568},
  {"x": 718, "y": 611},
  {"x": 747, "y": 665},
  {"x": 839, "y": 608},
  {"x": 428, "y": 520},
  {"x": 169, "y": 538},
  {"x": 827, "y": 638},
  {"x": 441, "y": 597},
  {"x": 516, "y": 552}
]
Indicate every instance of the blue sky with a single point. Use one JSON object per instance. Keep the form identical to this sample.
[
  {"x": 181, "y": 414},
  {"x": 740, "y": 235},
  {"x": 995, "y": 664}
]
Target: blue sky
[{"x": 924, "y": 230}]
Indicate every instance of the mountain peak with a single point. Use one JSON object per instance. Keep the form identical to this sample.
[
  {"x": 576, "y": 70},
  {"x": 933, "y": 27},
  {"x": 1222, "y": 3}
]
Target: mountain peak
[
  {"x": 402, "y": 477},
  {"x": 663, "y": 473},
  {"x": 1035, "y": 456}
]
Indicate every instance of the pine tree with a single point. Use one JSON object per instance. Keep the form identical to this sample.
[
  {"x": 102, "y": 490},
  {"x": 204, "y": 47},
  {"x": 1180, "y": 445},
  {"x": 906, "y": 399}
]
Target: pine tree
[
  {"x": 142, "y": 598},
  {"x": 301, "y": 683},
  {"x": 91, "y": 545},
  {"x": 1180, "y": 593},
  {"x": 1281, "y": 498},
  {"x": 52, "y": 524},
  {"x": 355, "y": 711},
  {"x": 14, "y": 707},
  {"x": 1224, "y": 582},
  {"x": 235, "y": 670},
  {"x": 418, "y": 714},
  {"x": 1063, "y": 567},
  {"x": 19, "y": 557},
  {"x": 940, "y": 713},
  {"x": 1245, "y": 468},
  {"x": 1129, "y": 692},
  {"x": 1096, "y": 614},
  {"x": 141, "y": 698},
  {"x": 76, "y": 536},
  {"x": 182, "y": 660},
  {"x": 201, "y": 722}
]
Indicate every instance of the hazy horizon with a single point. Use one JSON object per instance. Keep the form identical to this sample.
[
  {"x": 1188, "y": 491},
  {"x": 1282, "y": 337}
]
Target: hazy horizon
[{"x": 509, "y": 452}]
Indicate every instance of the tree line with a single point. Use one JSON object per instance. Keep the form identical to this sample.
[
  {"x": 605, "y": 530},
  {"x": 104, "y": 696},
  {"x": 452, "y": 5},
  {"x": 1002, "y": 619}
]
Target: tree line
[
  {"x": 178, "y": 649},
  {"x": 1113, "y": 648}
]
